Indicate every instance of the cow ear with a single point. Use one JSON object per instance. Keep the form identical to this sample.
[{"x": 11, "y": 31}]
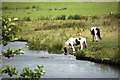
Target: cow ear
[{"x": 79, "y": 38}]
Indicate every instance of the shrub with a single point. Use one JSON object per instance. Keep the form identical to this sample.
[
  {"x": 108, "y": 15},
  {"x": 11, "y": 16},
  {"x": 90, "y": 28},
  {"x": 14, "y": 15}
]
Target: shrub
[
  {"x": 26, "y": 19},
  {"x": 95, "y": 17},
  {"x": 70, "y": 17},
  {"x": 62, "y": 17},
  {"x": 78, "y": 17},
  {"x": 5, "y": 7},
  {"x": 33, "y": 7}
]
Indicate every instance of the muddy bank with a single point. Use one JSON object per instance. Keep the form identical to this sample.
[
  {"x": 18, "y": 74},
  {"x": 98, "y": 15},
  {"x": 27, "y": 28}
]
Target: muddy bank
[
  {"x": 21, "y": 40},
  {"x": 102, "y": 61}
]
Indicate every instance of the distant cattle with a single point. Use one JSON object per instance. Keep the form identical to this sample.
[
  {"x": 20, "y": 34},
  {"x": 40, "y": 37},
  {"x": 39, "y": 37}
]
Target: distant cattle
[
  {"x": 50, "y": 9},
  {"x": 55, "y": 9},
  {"x": 111, "y": 13},
  {"x": 62, "y": 8},
  {"x": 95, "y": 32}
]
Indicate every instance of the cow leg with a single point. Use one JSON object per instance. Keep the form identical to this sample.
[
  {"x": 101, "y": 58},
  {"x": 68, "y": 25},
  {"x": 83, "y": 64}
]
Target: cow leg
[
  {"x": 73, "y": 48},
  {"x": 81, "y": 46},
  {"x": 93, "y": 38},
  {"x": 96, "y": 38},
  {"x": 65, "y": 50}
]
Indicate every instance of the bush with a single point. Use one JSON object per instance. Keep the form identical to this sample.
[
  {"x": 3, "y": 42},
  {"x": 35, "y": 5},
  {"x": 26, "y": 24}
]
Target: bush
[
  {"x": 33, "y": 7},
  {"x": 5, "y": 7},
  {"x": 78, "y": 17},
  {"x": 63, "y": 17},
  {"x": 95, "y": 17},
  {"x": 26, "y": 19},
  {"x": 70, "y": 17}
]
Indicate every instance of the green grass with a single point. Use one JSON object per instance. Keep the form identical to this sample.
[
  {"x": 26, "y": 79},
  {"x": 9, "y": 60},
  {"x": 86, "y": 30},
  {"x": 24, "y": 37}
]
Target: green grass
[{"x": 80, "y": 8}]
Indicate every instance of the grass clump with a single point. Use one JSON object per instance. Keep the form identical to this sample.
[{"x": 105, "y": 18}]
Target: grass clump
[
  {"x": 80, "y": 54},
  {"x": 55, "y": 47},
  {"x": 51, "y": 46}
]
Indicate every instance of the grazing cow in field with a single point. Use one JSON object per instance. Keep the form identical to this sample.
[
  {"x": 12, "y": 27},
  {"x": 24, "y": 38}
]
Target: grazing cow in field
[
  {"x": 111, "y": 13},
  {"x": 50, "y": 9},
  {"x": 75, "y": 41},
  {"x": 95, "y": 32}
]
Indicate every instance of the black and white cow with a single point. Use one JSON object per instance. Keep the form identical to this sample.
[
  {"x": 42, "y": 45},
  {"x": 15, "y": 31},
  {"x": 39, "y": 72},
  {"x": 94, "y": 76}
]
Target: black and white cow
[
  {"x": 75, "y": 41},
  {"x": 95, "y": 32}
]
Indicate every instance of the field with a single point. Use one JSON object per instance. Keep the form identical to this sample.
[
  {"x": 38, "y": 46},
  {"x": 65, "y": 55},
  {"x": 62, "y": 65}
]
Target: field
[
  {"x": 36, "y": 10},
  {"x": 47, "y": 28}
]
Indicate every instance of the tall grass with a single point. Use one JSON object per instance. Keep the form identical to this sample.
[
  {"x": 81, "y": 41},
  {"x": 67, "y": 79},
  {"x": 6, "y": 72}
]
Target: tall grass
[{"x": 52, "y": 46}]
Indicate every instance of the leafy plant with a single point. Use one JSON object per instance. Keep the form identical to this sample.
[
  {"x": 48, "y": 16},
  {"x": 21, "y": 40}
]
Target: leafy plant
[
  {"x": 27, "y": 73},
  {"x": 8, "y": 31},
  {"x": 10, "y": 52},
  {"x": 10, "y": 71}
]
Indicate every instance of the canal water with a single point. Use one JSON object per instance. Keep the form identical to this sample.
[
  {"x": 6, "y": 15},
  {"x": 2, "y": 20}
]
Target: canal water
[{"x": 57, "y": 65}]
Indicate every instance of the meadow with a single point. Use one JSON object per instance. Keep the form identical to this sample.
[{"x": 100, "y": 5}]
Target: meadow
[
  {"x": 36, "y": 10},
  {"x": 45, "y": 27}
]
